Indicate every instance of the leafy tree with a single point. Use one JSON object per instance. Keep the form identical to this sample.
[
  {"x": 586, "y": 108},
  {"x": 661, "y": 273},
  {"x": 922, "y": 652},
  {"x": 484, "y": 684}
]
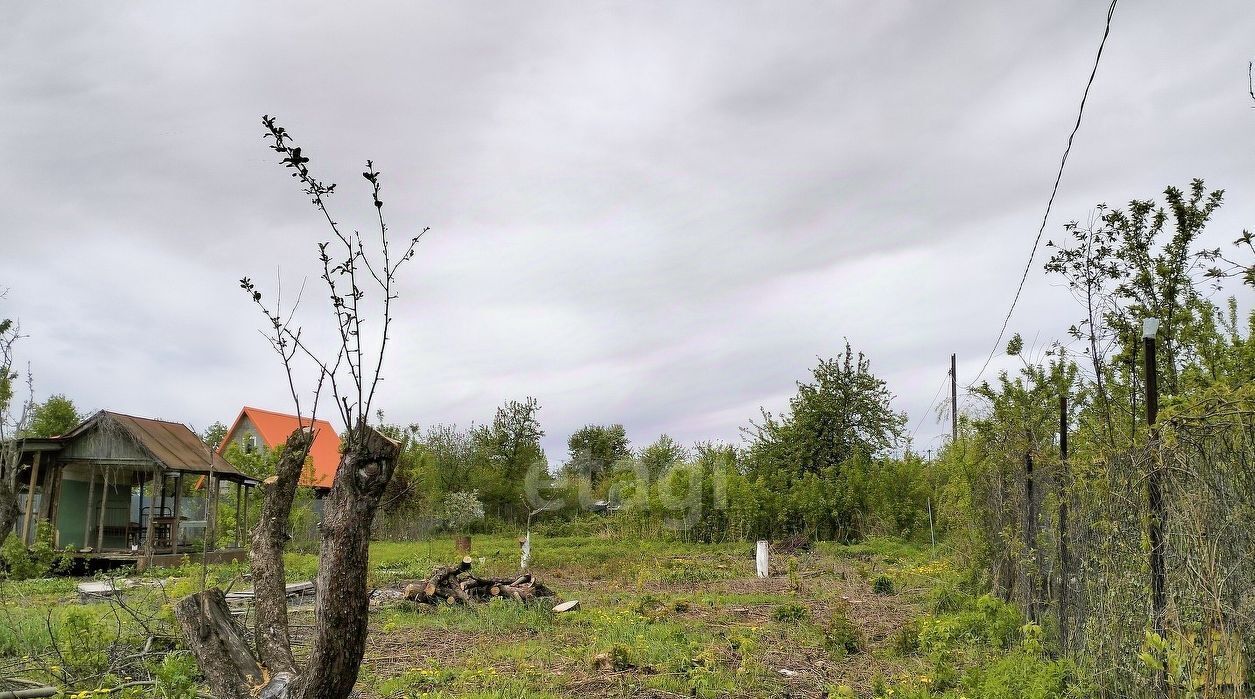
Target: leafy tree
[
  {"x": 414, "y": 486},
  {"x": 213, "y": 435},
  {"x": 664, "y": 453},
  {"x": 453, "y": 454},
  {"x": 506, "y": 449},
  {"x": 1139, "y": 262},
  {"x": 55, "y": 416},
  {"x": 843, "y": 411},
  {"x": 461, "y": 509},
  {"x": 594, "y": 450}
]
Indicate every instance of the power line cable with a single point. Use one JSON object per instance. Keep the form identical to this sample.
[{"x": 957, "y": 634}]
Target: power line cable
[
  {"x": 1049, "y": 204},
  {"x": 930, "y": 407}
]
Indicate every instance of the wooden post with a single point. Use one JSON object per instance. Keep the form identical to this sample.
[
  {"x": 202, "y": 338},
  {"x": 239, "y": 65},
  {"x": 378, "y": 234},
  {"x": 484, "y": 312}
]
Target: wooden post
[
  {"x": 175, "y": 526},
  {"x": 100, "y": 524},
  {"x": 54, "y": 504},
  {"x": 761, "y": 562},
  {"x": 1030, "y": 533},
  {"x": 239, "y": 522},
  {"x": 159, "y": 477},
  {"x": 954, "y": 402},
  {"x": 244, "y": 519},
  {"x": 1154, "y": 491},
  {"x": 1064, "y": 563},
  {"x": 30, "y": 502},
  {"x": 87, "y": 520},
  {"x": 211, "y": 515},
  {"x": 45, "y": 492},
  {"x": 931, "y": 531},
  {"x": 141, "y": 502}
]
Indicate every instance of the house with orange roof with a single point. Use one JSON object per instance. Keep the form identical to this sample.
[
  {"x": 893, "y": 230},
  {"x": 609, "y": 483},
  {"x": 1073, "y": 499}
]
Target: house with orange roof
[{"x": 256, "y": 429}]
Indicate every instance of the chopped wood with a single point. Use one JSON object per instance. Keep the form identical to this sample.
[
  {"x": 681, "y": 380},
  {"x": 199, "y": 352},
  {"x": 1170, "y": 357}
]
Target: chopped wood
[
  {"x": 456, "y": 585},
  {"x": 567, "y": 606}
]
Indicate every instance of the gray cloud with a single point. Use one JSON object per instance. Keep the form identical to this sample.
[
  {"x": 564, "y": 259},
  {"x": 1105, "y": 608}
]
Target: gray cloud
[{"x": 653, "y": 213}]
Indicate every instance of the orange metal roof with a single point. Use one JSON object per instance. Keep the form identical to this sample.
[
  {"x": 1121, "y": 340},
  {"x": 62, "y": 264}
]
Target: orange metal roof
[{"x": 275, "y": 428}]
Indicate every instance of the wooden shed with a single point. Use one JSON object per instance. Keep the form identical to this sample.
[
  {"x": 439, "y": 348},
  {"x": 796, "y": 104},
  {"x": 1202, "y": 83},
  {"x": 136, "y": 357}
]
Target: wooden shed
[{"x": 111, "y": 488}]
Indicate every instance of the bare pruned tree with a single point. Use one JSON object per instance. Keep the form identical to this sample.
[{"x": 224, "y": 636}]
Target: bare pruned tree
[
  {"x": 15, "y": 413},
  {"x": 361, "y": 279}
]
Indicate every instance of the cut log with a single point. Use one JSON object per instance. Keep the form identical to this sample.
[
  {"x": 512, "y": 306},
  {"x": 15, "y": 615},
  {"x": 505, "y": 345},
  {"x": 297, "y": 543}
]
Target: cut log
[
  {"x": 456, "y": 585},
  {"x": 569, "y": 606}
]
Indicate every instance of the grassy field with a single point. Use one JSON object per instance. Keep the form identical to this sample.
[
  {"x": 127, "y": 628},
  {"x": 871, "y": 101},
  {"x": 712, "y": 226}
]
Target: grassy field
[{"x": 657, "y": 619}]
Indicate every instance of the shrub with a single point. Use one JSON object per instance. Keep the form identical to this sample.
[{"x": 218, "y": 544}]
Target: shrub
[
  {"x": 790, "y": 613},
  {"x": 949, "y": 598},
  {"x": 905, "y": 640},
  {"x": 991, "y": 622},
  {"x": 1023, "y": 675},
  {"x": 882, "y": 585},
  {"x": 82, "y": 642},
  {"x": 175, "y": 676},
  {"x": 38, "y": 561},
  {"x": 841, "y": 636}
]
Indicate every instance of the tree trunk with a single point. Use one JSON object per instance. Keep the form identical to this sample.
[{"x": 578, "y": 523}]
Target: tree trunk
[
  {"x": 342, "y": 609},
  {"x": 8, "y": 509},
  {"x": 269, "y": 539},
  {"x": 223, "y": 655}
]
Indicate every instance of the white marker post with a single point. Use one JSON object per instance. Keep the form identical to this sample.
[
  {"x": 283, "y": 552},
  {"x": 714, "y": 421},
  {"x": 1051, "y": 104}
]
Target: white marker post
[{"x": 762, "y": 559}]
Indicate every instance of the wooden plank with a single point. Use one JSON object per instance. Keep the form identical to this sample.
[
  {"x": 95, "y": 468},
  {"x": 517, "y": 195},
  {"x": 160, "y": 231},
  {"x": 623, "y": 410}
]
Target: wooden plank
[
  {"x": 158, "y": 477},
  {"x": 27, "y": 537},
  {"x": 104, "y": 504},
  {"x": 174, "y": 526},
  {"x": 296, "y": 589},
  {"x": 87, "y": 521},
  {"x": 54, "y": 505}
]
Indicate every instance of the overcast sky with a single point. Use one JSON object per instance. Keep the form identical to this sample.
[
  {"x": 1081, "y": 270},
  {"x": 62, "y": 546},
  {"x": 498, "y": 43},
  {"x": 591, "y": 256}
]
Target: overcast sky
[{"x": 653, "y": 213}]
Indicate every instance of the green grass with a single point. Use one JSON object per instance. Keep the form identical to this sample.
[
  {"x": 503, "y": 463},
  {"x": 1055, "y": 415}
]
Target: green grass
[{"x": 679, "y": 618}]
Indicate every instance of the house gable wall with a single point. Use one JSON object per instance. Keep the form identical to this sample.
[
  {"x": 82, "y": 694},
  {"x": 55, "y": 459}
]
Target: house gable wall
[
  {"x": 242, "y": 431},
  {"x": 103, "y": 443}
]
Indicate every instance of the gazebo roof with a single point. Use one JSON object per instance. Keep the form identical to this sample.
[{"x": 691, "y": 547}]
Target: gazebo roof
[{"x": 172, "y": 445}]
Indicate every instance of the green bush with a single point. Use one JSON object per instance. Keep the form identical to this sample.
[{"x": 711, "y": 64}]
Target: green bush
[
  {"x": 1023, "y": 675},
  {"x": 174, "y": 676},
  {"x": 987, "y": 621},
  {"x": 841, "y": 636},
  {"x": 947, "y": 597},
  {"x": 38, "y": 561},
  {"x": 883, "y": 585},
  {"x": 790, "y": 613},
  {"x": 82, "y": 642},
  {"x": 905, "y": 641}
]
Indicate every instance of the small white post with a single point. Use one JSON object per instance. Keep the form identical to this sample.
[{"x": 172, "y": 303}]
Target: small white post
[
  {"x": 526, "y": 556},
  {"x": 762, "y": 559}
]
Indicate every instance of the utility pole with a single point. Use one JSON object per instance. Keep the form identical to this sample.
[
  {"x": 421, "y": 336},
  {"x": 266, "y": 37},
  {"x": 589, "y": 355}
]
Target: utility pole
[
  {"x": 1154, "y": 489},
  {"x": 954, "y": 402},
  {"x": 1064, "y": 564}
]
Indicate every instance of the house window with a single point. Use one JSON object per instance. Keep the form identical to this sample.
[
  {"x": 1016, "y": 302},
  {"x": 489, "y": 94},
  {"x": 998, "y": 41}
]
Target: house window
[{"x": 250, "y": 444}]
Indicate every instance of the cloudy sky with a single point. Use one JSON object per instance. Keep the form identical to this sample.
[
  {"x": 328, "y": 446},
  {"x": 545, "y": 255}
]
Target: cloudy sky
[{"x": 654, "y": 213}]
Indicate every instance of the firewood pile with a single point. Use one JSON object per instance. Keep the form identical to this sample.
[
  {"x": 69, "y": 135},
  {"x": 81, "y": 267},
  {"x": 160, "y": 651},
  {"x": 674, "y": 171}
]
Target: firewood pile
[{"x": 455, "y": 585}]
